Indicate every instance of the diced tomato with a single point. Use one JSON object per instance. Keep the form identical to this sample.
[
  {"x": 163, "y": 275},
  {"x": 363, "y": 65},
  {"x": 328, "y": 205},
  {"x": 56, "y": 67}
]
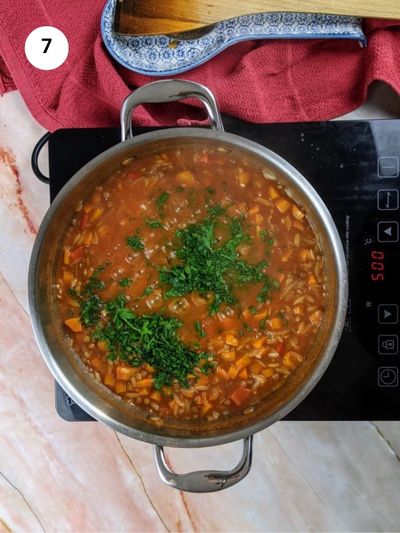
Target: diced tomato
[
  {"x": 240, "y": 395},
  {"x": 133, "y": 174},
  {"x": 85, "y": 220},
  {"x": 76, "y": 254},
  {"x": 279, "y": 347}
]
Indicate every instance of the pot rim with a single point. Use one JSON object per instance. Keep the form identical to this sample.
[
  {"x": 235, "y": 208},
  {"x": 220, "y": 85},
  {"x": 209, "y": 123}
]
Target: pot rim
[{"x": 77, "y": 393}]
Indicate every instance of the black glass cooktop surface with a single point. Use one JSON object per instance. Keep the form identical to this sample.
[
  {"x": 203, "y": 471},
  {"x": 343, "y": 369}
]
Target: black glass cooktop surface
[{"x": 355, "y": 168}]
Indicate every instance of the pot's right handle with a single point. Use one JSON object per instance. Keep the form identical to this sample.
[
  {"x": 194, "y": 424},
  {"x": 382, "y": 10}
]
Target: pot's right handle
[
  {"x": 168, "y": 91},
  {"x": 205, "y": 480}
]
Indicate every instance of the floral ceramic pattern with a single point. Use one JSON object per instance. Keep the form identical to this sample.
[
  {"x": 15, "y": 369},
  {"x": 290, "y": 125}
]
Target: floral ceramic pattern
[{"x": 160, "y": 55}]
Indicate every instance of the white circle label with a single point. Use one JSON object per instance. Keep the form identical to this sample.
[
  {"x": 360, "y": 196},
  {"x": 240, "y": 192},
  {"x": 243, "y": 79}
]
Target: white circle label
[{"x": 46, "y": 48}]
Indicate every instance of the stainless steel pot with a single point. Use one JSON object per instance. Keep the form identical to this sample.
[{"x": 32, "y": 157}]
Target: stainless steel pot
[{"x": 106, "y": 407}]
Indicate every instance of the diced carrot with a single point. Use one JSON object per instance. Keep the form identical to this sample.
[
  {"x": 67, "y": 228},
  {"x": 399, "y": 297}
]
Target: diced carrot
[
  {"x": 67, "y": 277},
  {"x": 240, "y": 395},
  {"x": 298, "y": 225},
  {"x": 254, "y": 209},
  {"x": 222, "y": 373},
  {"x": 98, "y": 364},
  {"x": 74, "y": 324},
  {"x": 228, "y": 356},
  {"x": 282, "y": 205},
  {"x": 312, "y": 280},
  {"x": 304, "y": 255},
  {"x": 243, "y": 362},
  {"x": 87, "y": 239},
  {"x": 243, "y": 374},
  {"x": 156, "y": 396},
  {"x": 233, "y": 372},
  {"x": 102, "y": 345},
  {"x": 243, "y": 177},
  {"x": 297, "y": 213},
  {"x": 291, "y": 359},
  {"x": 186, "y": 177},
  {"x": 120, "y": 387},
  {"x": 85, "y": 220},
  {"x": 256, "y": 367},
  {"x": 272, "y": 193},
  {"x": 75, "y": 255},
  {"x": 96, "y": 214},
  {"x": 123, "y": 373},
  {"x": 231, "y": 340},
  {"x": 143, "y": 392},
  {"x": 142, "y": 383},
  {"x": 261, "y": 316},
  {"x": 275, "y": 323},
  {"x": 205, "y": 408},
  {"x": 203, "y": 380},
  {"x": 258, "y": 343},
  {"x": 67, "y": 253},
  {"x": 267, "y": 372},
  {"x": 109, "y": 379}
]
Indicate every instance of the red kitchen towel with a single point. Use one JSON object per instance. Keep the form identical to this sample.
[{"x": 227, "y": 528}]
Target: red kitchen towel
[{"x": 258, "y": 81}]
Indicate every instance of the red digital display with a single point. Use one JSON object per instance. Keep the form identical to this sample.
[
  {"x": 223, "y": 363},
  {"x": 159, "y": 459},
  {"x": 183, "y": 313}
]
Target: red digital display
[{"x": 377, "y": 265}]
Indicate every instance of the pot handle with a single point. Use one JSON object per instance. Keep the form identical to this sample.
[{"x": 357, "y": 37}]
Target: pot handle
[
  {"x": 168, "y": 91},
  {"x": 205, "y": 480}
]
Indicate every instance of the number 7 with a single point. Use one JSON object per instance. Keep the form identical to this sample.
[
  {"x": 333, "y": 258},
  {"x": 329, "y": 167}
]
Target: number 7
[{"x": 47, "y": 45}]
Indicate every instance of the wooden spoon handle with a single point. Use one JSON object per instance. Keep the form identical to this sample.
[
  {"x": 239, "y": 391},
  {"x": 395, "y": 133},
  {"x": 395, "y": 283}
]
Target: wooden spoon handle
[{"x": 144, "y": 17}]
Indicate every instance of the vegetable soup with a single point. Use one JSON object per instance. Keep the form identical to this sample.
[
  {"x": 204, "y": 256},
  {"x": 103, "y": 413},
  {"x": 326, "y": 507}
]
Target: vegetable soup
[{"x": 190, "y": 283}]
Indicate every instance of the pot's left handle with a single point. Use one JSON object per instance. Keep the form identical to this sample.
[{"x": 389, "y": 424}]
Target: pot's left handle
[
  {"x": 164, "y": 91},
  {"x": 35, "y": 158},
  {"x": 205, "y": 480}
]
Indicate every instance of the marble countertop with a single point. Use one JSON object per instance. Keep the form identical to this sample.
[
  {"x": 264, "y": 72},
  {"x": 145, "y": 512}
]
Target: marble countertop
[{"x": 59, "y": 476}]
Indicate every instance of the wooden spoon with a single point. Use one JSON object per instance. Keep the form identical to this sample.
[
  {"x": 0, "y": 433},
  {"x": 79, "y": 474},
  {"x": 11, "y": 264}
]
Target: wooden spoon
[{"x": 155, "y": 17}]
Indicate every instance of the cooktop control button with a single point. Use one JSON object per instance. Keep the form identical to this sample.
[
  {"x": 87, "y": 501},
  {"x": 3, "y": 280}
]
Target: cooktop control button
[
  {"x": 388, "y": 167},
  {"x": 388, "y": 231},
  {"x": 388, "y": 376},
  {"x": 388, "y": 344},
  {"x": 388, "y": 199},
  {"x": 388, "y": 313}
]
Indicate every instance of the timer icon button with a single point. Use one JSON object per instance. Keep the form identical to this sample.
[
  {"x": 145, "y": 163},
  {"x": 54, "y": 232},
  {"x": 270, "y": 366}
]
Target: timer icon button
[
  {"x": 388, "y": 313},
  {"x": 388, "y": 167},
  {"x": 388, "y": 199},
  {"x": 388, "y": 231},
  {"x": 388, "y": 376}
]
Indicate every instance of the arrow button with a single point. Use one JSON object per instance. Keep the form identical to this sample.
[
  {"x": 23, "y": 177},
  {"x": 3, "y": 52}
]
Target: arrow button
[
  {"x": 388, "y": 231},
  {"x": 388, "y": 313}
]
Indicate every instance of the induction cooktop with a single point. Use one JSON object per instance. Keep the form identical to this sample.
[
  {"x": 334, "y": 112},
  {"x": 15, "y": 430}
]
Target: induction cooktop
[{"x": 354, "y": 166}]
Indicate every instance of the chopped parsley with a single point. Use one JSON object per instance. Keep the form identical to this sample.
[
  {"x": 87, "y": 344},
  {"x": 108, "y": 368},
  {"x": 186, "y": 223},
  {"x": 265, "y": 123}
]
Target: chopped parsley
[
  {"x": 151, "y": 339},
  {"x": 153, "y": 223},
  {"x": 160, "y": 201},
  {"x": 125, "y": 282},
  {"x": 90, "y": 303},
  {"x": 147, "y": 291},
  {"x": 199, "y": 328},
  {"x": 208, "y": 266},
  {"x": 135, "y": 242}
]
